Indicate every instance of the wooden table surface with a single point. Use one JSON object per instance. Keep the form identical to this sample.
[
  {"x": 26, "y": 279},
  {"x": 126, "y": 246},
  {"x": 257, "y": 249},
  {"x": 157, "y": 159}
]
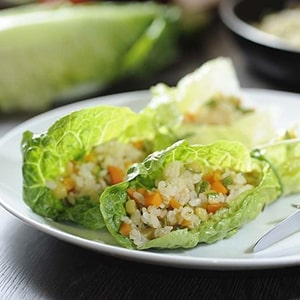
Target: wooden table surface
[{"x": 34, "y": 265}]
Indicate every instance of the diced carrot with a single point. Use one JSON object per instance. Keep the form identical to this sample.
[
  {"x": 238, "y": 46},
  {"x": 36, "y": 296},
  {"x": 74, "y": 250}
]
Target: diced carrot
[
  {"x": 189, "y": 117},
  {"x": 150, "y": 199},
  {"x": 186, "y": 223},
  {"x": 125, "y": 229},
  {"x": 142, "y": 191},
  {"x": 138, "y": 144},
  {"x": 204, "y": 205},
  {"x": 214, "y": 180},
  {"x": 212, "y": 176},
  {"x": 130, "y": 192},
  {"x": 212, "y": 208},
  {"x": 69, "y": 183},
  {"x": 153, "y": 199},
  {"x": 116, "y": 174},
  {"x": 208, "y": 177},
  {"x": 219, "y": 187},
  {"x": 137, "y": 195},
  {"x": 174, "y": 203}
]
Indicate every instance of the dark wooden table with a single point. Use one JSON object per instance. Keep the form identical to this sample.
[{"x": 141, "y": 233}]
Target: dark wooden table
[{"x": 34, "y": 265}]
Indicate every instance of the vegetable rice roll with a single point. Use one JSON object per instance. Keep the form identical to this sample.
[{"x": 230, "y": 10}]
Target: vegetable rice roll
[
  {"x": 67, "y": 168},
  {"x": 190, "y": 194}
]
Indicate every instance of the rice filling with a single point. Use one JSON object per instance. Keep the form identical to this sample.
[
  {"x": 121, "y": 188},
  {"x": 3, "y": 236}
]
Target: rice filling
[
  {"x": 182, "y": 198},
  {"x": 104, "y": 165}
]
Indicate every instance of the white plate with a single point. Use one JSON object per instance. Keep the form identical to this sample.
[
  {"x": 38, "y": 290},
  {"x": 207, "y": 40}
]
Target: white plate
[{"x": 232, "y": 253}]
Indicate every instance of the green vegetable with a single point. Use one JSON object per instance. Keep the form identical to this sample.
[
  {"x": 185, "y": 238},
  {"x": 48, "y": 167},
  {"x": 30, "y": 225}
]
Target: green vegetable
[
  {"x": 284, "y": 158},
  {"x": 224, "y": 222},
  {"x": 269, "y": 183},
  {"x": 206, "y": 88},
  {"x": 57, "y": 53},
  {"x": 45, "y": 157}
]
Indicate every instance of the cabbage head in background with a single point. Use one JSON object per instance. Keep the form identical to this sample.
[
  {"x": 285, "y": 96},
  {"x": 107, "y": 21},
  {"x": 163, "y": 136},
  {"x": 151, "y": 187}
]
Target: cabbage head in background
[{"x": 54, "y": 53}]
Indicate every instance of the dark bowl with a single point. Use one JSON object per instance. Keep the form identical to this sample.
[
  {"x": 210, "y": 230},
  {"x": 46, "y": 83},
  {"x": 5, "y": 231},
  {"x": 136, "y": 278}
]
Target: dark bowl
[{"x": 265, "y": 53}]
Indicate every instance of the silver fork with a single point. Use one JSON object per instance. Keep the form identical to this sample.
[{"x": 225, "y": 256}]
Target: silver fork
[{"x": 282, "y": 230}]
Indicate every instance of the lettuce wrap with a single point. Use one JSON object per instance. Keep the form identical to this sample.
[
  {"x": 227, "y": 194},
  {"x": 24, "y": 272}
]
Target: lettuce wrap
[
  {"x": 190, "y": 194},
  {"x": 211, "y": 107},
  {"x": 66, "y": 168}
]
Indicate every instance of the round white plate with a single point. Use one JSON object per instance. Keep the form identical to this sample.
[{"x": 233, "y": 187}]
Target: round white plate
[{"x": 233, "y": 253}]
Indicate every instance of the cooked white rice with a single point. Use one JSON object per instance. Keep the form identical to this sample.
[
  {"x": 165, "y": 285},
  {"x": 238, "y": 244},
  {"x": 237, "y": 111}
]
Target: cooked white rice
[
  {"x": 180, "y": 183},
  {"x": 89, "y": 176},
  {"x": 220, "y": 110}
]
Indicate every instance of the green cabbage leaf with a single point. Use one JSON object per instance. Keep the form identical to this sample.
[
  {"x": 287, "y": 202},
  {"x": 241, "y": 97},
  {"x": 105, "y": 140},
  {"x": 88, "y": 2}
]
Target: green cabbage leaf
[
  {"x": 284, "y": 158},
  {"x": 71, "y": 137},
  {"x": 199, "y": 89},
  {"x": 225, "y": 222},
  {"x": 74, "y": 51}
]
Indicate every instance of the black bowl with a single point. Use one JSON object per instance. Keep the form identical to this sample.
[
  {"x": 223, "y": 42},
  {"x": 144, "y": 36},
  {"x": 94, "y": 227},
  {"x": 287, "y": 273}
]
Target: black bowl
[{"x": 267, "y": 54}]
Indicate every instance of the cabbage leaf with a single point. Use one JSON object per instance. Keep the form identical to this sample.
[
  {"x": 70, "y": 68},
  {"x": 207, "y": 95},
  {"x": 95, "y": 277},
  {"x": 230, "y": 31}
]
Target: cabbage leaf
[
  {"x": 46, "y": 155},
  {"x": 74, "y": 51},
  {"x": 199, "y": 89},
  {"x": 225, "y": 222},
  {"x": 284, "y": 158}
]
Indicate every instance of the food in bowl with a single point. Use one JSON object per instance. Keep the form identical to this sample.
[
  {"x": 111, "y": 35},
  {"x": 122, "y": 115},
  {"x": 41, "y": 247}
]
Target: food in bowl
[
  {"x": 266, "y": 54},
  {"x": 284, "y": 24}
]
